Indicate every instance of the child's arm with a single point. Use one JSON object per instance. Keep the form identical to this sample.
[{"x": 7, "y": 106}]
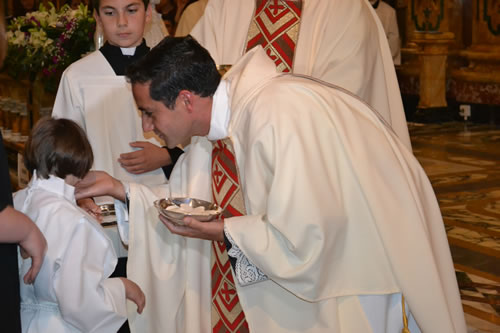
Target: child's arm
[
  {"x": 134, "y": 294},
  {"x": 15, "y": 227}
]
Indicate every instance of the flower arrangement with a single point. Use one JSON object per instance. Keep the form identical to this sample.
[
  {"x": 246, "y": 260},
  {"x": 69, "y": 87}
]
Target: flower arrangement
[{"x": 45, "y": 42}]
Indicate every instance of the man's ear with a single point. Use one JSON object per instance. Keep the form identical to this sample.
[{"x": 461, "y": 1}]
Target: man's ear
[
  {"x": 97, "y": 17},
  {"x": 149, "y": 13},
  {"x": 185, "y": 97}
]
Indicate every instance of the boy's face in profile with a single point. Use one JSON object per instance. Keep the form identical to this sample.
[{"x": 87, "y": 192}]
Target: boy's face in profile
[{"x": 123, "y": 21}]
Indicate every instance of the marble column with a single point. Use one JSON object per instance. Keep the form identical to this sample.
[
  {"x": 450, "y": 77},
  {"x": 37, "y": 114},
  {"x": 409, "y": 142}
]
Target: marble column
[
  {"x": 433, "y": 54},
  {"x": 425, "y": 53},
  {"x": 479, "y": 81}
]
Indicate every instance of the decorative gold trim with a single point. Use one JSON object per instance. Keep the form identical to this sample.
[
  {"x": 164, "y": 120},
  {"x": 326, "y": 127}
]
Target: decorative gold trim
[{"x": 405, "y": 319}]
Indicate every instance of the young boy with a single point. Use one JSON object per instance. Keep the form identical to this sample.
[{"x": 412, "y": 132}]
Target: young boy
[
  {"x": 95, "y": 94},
  {"x": 73, "y": 291}
]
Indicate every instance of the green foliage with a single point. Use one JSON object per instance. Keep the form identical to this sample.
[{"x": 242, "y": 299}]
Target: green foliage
[{"x": 43, "y": 43}]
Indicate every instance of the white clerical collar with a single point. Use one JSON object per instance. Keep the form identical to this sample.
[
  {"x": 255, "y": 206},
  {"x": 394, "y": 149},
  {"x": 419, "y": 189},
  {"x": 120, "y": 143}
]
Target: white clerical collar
[
  {"x": 55, "y": 185},
  {"x": 220, "y": 113},
  {"x": 129, "y": 51}
]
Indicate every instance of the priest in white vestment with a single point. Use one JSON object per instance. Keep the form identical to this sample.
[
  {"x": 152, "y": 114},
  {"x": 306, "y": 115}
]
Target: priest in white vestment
[
  {"x": 340, "y": 42},
  {"x": 341, "y": 220}
]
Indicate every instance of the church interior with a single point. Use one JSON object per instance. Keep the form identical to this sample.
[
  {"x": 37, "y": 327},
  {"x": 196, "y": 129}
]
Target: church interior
[{"x": 449, "y": 77}]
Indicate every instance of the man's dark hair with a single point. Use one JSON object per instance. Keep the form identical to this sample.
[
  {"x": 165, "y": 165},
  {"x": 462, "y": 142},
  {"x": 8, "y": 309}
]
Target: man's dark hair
[
  {"x": 58, "y": 147},
  {"x": 175, "y": 64},
  {"x": 97, "y": 3}
]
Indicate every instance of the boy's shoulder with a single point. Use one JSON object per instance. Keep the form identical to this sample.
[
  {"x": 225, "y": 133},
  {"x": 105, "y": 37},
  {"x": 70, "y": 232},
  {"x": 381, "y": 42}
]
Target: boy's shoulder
[
  {"x": 91, "y": 64},
  {"x": 51, "y": 204}
]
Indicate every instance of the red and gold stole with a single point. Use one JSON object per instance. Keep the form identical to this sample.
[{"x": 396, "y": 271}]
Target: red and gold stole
[
  {"x": 227, "y": 314},
  {"x": 275, "y": 26}
]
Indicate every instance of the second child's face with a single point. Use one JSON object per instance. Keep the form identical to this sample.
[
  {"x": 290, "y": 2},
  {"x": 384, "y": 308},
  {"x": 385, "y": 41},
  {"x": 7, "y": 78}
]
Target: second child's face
[{"x": 123, "y": 21}]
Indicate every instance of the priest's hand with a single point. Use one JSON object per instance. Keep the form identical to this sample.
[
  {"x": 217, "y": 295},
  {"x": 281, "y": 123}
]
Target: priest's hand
[
  {"x": 150, "y": 157},
  {"x": 213, "y": 230},
  {"x": 97, "y": 183},
  {"x": 88, "y": 205}
]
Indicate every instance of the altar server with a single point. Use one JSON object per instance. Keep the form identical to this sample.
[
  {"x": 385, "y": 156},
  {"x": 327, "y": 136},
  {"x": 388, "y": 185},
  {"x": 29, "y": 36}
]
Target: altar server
[
  {"x": 329, "y": 225},
  {"x": 95, "y": 94},
  {"x": 73, "y": 291},
  {"x": 337, "y": 41}
]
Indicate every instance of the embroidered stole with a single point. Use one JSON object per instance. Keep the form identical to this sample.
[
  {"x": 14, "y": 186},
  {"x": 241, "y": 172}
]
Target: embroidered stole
[
  {"x": 275, "y": 26},
  {"x": 227, "y": 314}
]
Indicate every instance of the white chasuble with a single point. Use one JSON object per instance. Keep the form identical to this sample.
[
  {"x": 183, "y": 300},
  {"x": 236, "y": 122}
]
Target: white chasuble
[
  {"x": 341, "y": 217},
  {"x": 340, "y": 42}
]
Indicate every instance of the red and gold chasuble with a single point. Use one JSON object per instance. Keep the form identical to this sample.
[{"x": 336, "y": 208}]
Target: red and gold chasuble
[
  {"x": 275, "y": 26},
  {"x": 227, "y": 314}
]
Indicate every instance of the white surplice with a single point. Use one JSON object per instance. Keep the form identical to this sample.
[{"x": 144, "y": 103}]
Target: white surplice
[
  {"x": 101, "y": 102},
  {"x": 341, "y": 216},
  {"x": 190, "y": 17},
  {"x": 340, "y": 42},
  {"x": 73, "y": 291},
  {"x": 155, "y": 29}
]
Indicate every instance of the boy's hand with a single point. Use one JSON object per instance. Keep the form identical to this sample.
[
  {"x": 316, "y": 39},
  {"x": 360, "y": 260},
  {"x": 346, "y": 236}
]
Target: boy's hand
[
  {"x": 98, "y": 183},
  {"x": 33, "y": 245},
  {"x": 134, "y": 293},
  {"x": 88, "y": 205},
  {"x": 150, "y": 157}
]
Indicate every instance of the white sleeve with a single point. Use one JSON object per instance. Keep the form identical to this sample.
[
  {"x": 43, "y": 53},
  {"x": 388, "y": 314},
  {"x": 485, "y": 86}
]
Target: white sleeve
[
  {"x": 68, "y": 102},
  {"x": 246, "y": 272},
  {"x": 122, "y": 219},
  {"x": 87, "y": 298}
]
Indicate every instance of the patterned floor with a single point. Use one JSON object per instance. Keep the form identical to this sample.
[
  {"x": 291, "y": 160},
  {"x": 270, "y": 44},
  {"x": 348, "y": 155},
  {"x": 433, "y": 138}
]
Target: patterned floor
[{"x": 463, "y": 164}]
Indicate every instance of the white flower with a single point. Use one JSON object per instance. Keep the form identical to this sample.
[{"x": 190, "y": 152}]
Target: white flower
[
  {"x": 38, "y": 39},
  {"x": 17, "y": 38}
]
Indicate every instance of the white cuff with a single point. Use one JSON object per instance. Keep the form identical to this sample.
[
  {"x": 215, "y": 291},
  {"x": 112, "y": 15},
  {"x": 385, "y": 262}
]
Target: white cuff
[{"x": 121, "y": 211}]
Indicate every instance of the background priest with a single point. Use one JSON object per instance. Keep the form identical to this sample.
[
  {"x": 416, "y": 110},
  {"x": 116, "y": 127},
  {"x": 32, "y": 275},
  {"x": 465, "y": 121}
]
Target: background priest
[{"x": 340, "y": 42}]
